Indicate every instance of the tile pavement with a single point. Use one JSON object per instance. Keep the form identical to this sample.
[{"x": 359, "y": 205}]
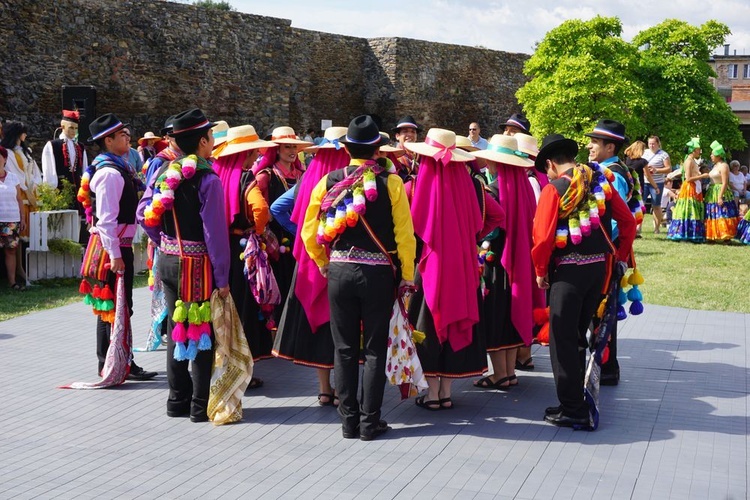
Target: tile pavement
[{"x": 676, "y": 426}]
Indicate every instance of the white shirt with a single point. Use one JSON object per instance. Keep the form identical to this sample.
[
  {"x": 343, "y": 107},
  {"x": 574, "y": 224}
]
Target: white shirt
[
  {"x": 49, "y": 172},
  {"x": 737, "y": 181},
  {"x": 28, "y": 172},
  {"x": 8, "y": 199},
  {"x": 107, "y": 183}
]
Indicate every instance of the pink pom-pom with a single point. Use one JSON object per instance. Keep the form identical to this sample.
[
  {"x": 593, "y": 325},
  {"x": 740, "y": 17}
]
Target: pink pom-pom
[
  {"x": 371, "y": 194},
  {"x": 172, "y": 182},
  {"x": 179, "y": 333},
  {"x": 194, "y": 332}
]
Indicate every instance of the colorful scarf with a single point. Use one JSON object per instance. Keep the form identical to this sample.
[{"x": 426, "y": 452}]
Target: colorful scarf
[
  {"x": 233, "y": 363},
  {"x": 447, "y": 219},
  {"x": 102, "y": 160},
  {"x": 229, "y": 169},
  {"x": 166, "y": 185},
  {"x": 311, "y": 288}
]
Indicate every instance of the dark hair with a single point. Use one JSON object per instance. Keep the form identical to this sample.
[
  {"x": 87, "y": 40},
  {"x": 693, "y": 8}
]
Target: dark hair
[
  {"x": 361, "y": 151},
  {"x": 618, "y": 145},
  {"x": 11, "y": 132},
  {"x": 311, "y": 131},
  {"x": 560, "y": 157},
  {"x": 188, "y": 144}
]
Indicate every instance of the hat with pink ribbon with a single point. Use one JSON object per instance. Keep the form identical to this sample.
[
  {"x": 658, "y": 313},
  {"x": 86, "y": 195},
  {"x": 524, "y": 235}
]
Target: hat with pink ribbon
[{"x": 440, "y": 144}]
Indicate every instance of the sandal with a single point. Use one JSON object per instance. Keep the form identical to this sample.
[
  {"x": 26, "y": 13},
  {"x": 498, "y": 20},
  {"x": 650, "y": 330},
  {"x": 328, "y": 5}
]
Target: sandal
[
  {"x": 499, "y": 384},
  {"x": 485, "y": 383},
  {"x": 526, "y": 366},
  {"x": 335, "y": 401},
  {"x": 17, "y": 287},
  {"x": 513, "y": 378},
  {"x": 446, "y": 404},
  {"x": 427, "y": 405},
  {"x": 255, "y": 383},
  {"x": 325, "y": 402}
]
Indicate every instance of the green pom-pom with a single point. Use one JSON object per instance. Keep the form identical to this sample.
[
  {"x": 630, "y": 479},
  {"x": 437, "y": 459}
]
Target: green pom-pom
[
  {"x": 180, "y": 312},
  {"x": 107, "y": 305},
  {"x": 88, "y": 299},
  {"x": 205, "y": 312},
  {"x": 194, "y": 315}
]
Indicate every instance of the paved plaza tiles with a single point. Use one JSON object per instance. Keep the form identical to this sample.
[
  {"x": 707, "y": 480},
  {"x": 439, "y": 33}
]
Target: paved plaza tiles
[{"x": 675, "y": 427}]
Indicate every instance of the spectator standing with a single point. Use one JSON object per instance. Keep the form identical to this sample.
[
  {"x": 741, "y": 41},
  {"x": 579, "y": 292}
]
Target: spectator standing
[
  {"x": 477, "y": 140},
  {"x": 659, "y": 165},
  {"x": 11, "y": 203}
]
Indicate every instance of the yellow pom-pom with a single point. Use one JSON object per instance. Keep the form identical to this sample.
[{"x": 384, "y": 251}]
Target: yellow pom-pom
[
  {"x": 242, "y": 255},
  {"x": 418, "y": 337},
  {"x": 636, "y": 278},
  {"x": 600, "y": 311},
  {"x": 624, "y": 282}
]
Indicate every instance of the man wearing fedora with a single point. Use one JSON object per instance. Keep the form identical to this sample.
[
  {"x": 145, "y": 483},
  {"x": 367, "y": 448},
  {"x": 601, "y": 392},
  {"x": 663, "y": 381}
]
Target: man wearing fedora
[
  {"x": 166, "y": 155},
  {"x": 114, "y": 196},
  {"x": 64, "y": 157},
  {"x": 362, "y": 271},
  {"x": 407, "y": 130},
  {"x": 516, "y": 124},
  {"x": 196, "y": 225},
  {"x": 605, "y": 142},
  {"x": 573, "y": 273}
]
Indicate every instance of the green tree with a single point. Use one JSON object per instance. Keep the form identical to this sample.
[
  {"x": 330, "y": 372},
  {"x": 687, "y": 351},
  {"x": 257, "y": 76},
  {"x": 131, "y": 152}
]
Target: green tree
[
  {"x": 214, "y": 4},
  {"x": 682, "y": 103},
  {"x": 659, "y": 84},
  {"x": 582, "y": 72}
]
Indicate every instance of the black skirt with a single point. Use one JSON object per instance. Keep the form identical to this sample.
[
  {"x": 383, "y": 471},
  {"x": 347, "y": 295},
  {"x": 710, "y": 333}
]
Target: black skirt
[
  {"x": 440, "y": 360},
  {"x": 295, "y": 340},
  {"x": 499, "y": 332},
  {"x": 259, "y": 338}
]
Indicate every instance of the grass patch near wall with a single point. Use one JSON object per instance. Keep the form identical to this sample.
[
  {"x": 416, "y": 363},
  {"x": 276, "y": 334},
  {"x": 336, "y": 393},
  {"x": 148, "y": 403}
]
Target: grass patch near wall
[{"x": 707, "y": 276}]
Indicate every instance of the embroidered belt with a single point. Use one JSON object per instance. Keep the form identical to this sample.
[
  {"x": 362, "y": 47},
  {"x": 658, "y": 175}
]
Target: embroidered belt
[
  {"x": 126, "y": 242},
  {"x": 170, "y": 246},
  {"x": 580, "y": 260},
  {"x": 358, "y": 256}
]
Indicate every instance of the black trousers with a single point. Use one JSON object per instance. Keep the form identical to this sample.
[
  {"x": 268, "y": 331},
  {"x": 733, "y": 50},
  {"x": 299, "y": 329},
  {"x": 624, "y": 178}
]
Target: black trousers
[
  {"x": 612, "y": 367},
  {"x": 575, "y": 293},
  {"x": 360, "y": 295},
  {"x": 188, "y": 390},
  {"x": 104, "y": 329}
]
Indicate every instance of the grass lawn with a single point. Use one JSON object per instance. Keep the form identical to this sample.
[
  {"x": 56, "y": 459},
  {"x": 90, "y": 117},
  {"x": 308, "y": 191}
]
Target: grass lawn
[
  {"x": 708, "y": 276},
  {"x": 44, "y": 294}
]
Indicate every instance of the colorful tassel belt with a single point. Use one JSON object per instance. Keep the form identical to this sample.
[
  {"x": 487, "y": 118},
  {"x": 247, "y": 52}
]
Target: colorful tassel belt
[
  {"x": 170, "y": 246},
  {"x": 580, "y": 260},
  {"x": 357, "y": 256}
]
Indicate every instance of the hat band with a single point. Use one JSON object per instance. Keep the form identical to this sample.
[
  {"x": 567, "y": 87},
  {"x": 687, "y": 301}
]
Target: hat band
[
  {"x": 355, "y": 141},
  {"x": 105, "y": 133},
  {"x": 514, "y": 123},
  {"x": 221, "y": 134},
  {"x": 406, "y": 124},
  {"x": 442, "y": 152},
  {"x": 205, "y": 123},
  {"x": 608, "y": 134},
  {"x": 239, "y": 140},
  {"x": 335, "y": 142},
  {"x": 288, "y": 136},
  {"x": 507, "y": 151}
]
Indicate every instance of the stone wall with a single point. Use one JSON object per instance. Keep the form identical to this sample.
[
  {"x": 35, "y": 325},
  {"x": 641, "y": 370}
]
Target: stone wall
[{"x": 150, "y": 59}]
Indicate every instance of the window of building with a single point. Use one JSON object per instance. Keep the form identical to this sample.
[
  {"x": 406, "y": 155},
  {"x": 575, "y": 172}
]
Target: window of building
[
  {"x": 746, "y": 71},
  {"x": 732, "y": 70}
]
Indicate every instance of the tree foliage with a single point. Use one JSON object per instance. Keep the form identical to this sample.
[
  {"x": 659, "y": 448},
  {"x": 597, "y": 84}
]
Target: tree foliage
[
  {"x": 659, "y": 84},
  {"x": 214, "y": 4}
]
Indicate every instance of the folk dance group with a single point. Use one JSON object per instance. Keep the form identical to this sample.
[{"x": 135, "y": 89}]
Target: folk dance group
[{"x": 257, "y": 256}]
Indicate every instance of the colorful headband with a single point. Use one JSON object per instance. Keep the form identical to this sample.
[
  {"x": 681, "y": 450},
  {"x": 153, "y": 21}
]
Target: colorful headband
[
  {"x": 717, "y": 149},
  {"x": 693, "y": 144}
]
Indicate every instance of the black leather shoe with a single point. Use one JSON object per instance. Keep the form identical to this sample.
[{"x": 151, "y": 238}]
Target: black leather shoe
[
  {"x": 610, "y": 378},
  {"x": 561, "y": 420},
  {"x": 381, "y": 428},
  {"x": 178, "y": 413},
  {"x": 552, "y": 410},
  {"x": 138, "y": 373},
  {"x": 199, "y": 418},
  {"x": 349, "y": 433}
]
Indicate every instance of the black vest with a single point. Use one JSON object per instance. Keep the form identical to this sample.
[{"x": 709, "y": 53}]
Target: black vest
[
  {"x": 594, "y": 243},
  {"x": 187, "y": 206},
  {"x": 378, "y": 215},
  {"x": 275, "y": 189},
  {"x": 61, "y": 166},
  {"x": 128, "y": 200}
]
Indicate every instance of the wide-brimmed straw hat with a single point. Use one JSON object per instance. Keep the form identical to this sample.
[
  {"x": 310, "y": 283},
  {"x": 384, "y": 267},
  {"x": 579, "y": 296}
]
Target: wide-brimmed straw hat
[
  {"x": 286, "y": 135},
  {"x": 464, "y": 143},
  {"x": 552, "y": 144},
  {"x": 387, "y": 148},
  {"x": 528, "y": 144},
  {"x": 220, "y": 132},
  {"x": 331, "y": 140},
  {"x": 504, "y": 149},
  {"x": 242, "y": 138},
  {"x": 148, "y": 136},
  {"x": 439, "y": 144}
]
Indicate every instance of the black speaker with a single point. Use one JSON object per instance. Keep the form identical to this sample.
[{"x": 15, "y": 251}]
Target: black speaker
[{"x": 81, "y": 98}]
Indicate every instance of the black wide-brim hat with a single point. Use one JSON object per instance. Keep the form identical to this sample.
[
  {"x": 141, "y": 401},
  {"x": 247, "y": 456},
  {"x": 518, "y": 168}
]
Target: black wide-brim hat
[
  {"x": 552, "y": 144},
  {"x": 190, "y": 122},
  {"x": 168, "y": 123},
  {"x": 518, "y": 120},
  {"x": 364, "y": 131},
  {"x": 104, "y": 126},
  {"x": 609, "y": 130},
  {"x": 407, "y": 121}
]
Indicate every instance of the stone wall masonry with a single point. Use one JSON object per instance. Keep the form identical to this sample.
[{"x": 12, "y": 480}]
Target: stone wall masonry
[{"x": 150, "y": 59}]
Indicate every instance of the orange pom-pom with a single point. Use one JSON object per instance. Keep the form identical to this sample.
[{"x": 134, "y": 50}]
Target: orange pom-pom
[
  {"x": 540, "y": 315},
  {"x": 543, "y": 335}
]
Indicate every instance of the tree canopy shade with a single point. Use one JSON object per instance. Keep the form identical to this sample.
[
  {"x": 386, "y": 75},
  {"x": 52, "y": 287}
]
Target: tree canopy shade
[{"x": 659, "y": 84}]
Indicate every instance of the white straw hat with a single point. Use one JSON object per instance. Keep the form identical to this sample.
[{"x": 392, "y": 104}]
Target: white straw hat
[
  {"x": 242, "y": 138},
  {"x": 439, "y": 144},
  {"x": 504, "y": 149}
]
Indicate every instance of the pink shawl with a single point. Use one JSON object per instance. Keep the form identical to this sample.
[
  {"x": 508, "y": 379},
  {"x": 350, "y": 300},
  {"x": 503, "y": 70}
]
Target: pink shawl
[
  {"x": 447, "y": 218},
  {"x": 229, "y": 169},
  {"x": 517, "y": 198},
  {"x": 311, "y": 288}
]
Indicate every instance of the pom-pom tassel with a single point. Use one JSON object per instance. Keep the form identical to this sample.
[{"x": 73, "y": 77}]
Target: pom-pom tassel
[
  {"x": 636, "y": 278},
  {"x": 204, "y": 344},
  {"x": 634, "y": 294},
  {"x": 180, "y": 353},
  {"x": 179, "y": 333},
  {"x": 192, "y": 350},
  {"x": 636, "y": 307},
  {"x": 543, "y": 335},
  {"x": 540, "y": 315},
  {"x": 96, "y": 292},
  {"x": 106, "y": 293},
  {"x": 194, "y": 315},
  {"x": 621, "y": 314},
  {"x": 180, "y": 312},
  {"x": 605, "y": 354},
  {"x": 600, "y": 309},
  {"x": 205, "y": 312},
  {"x": 622, "y": 297},
  {"x": 624, "y": 282},
  {"x": 85, "y": 287},
  {"x": 193, "y": 332},
  {"x": 418, "y": 337}
]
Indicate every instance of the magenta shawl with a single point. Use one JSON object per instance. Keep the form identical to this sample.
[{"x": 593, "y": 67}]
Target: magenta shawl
[
  {"x": 311, "y": 288},
  {"x": 447, "y": 218},
  {"x": 229, "y": 169},
  {"x": 517, "y": 198}
]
